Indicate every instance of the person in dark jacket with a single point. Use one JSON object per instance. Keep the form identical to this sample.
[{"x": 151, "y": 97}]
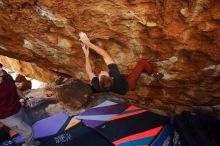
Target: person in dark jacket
[
  {"x": 11, "y": 113},
  {"x": 111, "y": 80}
]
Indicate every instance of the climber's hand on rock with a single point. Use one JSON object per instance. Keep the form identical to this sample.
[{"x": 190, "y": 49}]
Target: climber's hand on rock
[{"x": 84, "y": 38}]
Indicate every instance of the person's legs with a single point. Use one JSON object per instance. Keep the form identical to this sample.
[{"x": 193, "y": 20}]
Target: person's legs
[
  {"x": 18, "y": 123},
  {"x": 142, "y": 65},
  {"x": 26, "y": 119}
]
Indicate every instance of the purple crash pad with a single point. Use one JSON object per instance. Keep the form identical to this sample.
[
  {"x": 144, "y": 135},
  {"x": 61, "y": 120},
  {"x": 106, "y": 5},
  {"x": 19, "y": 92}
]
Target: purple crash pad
[
  {"x": 113, "y": 109},
  {"x": 96, "y": 116},
  {"x": 46, "y": 127}
]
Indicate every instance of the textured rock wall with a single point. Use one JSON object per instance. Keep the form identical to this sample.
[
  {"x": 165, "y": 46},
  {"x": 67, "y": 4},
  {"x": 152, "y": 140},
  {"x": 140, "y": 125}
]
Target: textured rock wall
[
  {"x": 180, "y": 37},
  {"x": 29, "y": 69}
]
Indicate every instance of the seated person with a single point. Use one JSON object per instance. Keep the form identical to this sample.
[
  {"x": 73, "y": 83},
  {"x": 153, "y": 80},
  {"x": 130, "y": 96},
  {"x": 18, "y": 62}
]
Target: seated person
[{"x": 22, "y": 83}]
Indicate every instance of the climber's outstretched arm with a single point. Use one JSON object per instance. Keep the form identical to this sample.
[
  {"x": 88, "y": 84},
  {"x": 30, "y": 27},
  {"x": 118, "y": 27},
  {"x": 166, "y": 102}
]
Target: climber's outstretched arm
[
  {"x": 88, "y": 64},
  {"x": 107, "y": 58}
]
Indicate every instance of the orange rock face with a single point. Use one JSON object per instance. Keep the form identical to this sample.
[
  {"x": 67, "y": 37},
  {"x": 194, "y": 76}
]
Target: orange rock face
[
  {"x": 30, "y": 70},
  {"x": 180, "y": 38}
]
